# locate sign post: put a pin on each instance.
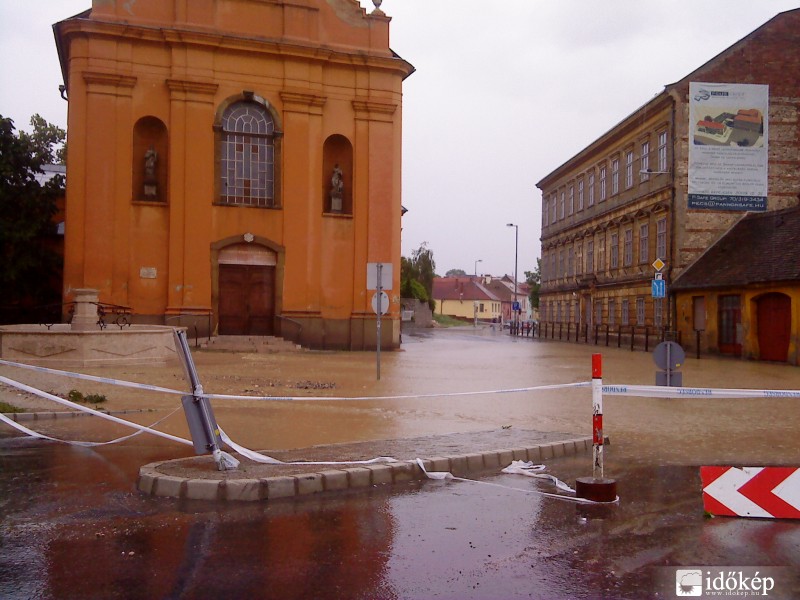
(199, 415)
(376, 273)
(669, 356)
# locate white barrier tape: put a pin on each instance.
(73, 375)
(440, 475)
(657, 391)
(528, 469)
(41, 436)
(91, 411)
(154, 388)
(264, 459)
(536, 388)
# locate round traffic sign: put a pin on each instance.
(384, 303)
(669, 355)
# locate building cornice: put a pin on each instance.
(608, 142)
(199, 38)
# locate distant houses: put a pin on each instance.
(484, 298)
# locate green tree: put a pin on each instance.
(48, 141)
(420, 269)
(26, 218)
(456, 273)
(534, 280)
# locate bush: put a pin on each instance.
(5, 407)
(78, 397)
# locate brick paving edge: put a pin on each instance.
(154, 483)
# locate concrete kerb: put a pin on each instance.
(69, 414)
(154, 482)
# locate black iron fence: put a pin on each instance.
(633, 337)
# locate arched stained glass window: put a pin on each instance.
(247, 156)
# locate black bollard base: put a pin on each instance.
(597, 490)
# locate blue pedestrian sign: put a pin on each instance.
(659, 288)
(515, 306)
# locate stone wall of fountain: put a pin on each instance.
(84, 343)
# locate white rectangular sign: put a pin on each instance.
(728, 153)
(372, 276)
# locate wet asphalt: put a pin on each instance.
(72, 524)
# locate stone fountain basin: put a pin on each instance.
(61, 347)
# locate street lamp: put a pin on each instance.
(516, 254)
(476, 266)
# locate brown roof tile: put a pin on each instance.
(761, 248)
(460, 288)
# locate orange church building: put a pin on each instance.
(235, 164)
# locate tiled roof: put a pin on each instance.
(460, 288)
(501, 290)
(761, 248)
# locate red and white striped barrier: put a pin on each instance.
(765, 492)
(597, 414)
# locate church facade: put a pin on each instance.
(234, 165)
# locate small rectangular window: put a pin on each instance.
(602, 183)
(601, 253)
(629, 170)
(572, 199)
(589, 256)
(640, 311)
(628, 255)
(570, 261)
(661, 239)
(591, 188)
(615, 176)
(580, 194)
(614, 250)
(662, 151)
(612, 311)
(644, 243)
(644, 163)
(625, 316)
(658, 312)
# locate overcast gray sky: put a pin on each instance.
(504, 92)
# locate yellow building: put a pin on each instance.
(467, 298)
(742, 296)
(235, 162)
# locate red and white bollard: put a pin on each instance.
(597, 487)
(597, 415)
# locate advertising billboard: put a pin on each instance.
(728, 134)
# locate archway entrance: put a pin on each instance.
(247, 290)
(774, 323)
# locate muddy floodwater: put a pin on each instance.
(72, 524)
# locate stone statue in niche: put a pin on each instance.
(150, 179)
(337, 189)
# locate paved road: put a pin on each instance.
(73, 526)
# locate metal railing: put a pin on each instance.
(634, 337)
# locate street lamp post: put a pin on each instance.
(516, 254)
(476, 266)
